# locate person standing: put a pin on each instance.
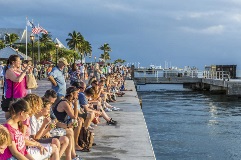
(82, 72)
(1, 72)
(56, 77)
(15, 81)
(97, 71)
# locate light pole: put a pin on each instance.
(32, 39)
(95, 59)
(56, 46)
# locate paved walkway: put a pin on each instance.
(129, 140)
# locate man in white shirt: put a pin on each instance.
(82, 71)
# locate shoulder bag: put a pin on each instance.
(31, 81)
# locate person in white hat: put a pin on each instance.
(57, 78)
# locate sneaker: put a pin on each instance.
(115, 109)
(111, 122)
(108, 110)
(90, 128)
(77, 158)
(93, 125)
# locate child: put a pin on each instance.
(19, 111)
(41, 125)
(36, 105)
(5, 139)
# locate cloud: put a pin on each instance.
(236, 17)
(197, 15)
(218, 29)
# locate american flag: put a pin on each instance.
(30, 23)
(42, 30)
(36, 30)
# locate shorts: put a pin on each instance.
(83, 115)
(35, 152)
(47, 140)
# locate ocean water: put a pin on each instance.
(188, 125)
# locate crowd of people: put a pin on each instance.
(49, 127)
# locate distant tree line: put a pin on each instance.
(79, 47)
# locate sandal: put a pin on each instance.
(84, 150)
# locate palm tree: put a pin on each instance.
(11, 38)
(105, 56)
(2, 45)
(106, 48)
(119, 61)
(74, 41)
(85, 49)
(46, 44)
(45, 38)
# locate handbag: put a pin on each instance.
(6, 101)
(31, 81)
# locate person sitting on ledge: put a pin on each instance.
(93, 105)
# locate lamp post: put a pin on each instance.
(56, 46)
(95, 59)
(32, 39)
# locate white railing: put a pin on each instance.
(168, 73)
(216, 75)
(180, 73)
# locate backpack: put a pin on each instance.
(86, 138)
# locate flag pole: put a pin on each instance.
(38, 47)
(26, 39)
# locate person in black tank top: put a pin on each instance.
(65, 108)
(60, 115)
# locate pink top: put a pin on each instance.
(18, 137)
(19, 88)
(28, 131)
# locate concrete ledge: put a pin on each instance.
(129, 139)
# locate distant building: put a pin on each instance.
(19, 31)
(22, 35)
(56, 40)
(222, 69)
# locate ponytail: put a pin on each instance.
(16, 107)
(10, 60)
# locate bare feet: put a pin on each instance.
(78, 148)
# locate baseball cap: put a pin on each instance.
(64, 60)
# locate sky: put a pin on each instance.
(172, 32)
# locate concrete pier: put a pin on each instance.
(129, 140)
